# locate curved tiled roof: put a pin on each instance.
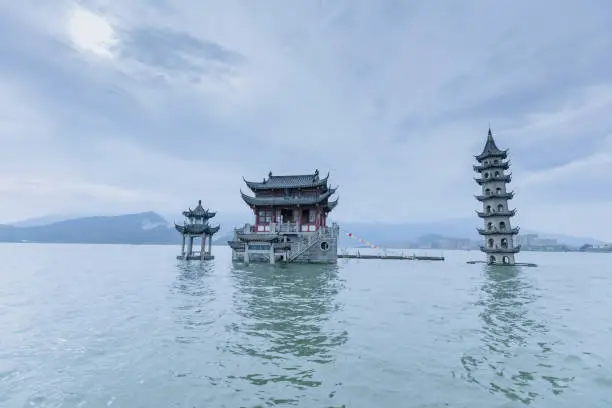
(199, 212)
(197, 229)
(293, 181)
(332, 204)
(288, 200)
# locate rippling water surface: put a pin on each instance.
(128, 326)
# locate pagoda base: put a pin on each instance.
(195, 258)
(530, 265)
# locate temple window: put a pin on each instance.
(490, 226)
(504, 243)
(502, 225)
(265, 216)
(488, 209)
(500, 207)
(497, 174)
(492, 259)
(491, 242)
(505, 260)
(488, 191)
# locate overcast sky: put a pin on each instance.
(124, 106)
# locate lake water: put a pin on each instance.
(129, 326)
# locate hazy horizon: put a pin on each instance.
(125, 107)
(237, 220)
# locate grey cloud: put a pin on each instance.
(87, 101)
(180, 53)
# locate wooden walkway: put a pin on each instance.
(395, 257)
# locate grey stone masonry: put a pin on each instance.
(497, 231)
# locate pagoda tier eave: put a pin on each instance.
(490, 166)
(507, 178)
(514, 250)
(485, 232)
(502, 154)
(504, 196)
(494, 214)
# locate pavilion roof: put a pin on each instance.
(199, 212)
(197, 229)
(289, 181)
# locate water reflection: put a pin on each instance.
(285, 319)
(515, 346)
(194, 312)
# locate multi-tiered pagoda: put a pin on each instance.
(290, 221)
(497, 231)
(196, 226)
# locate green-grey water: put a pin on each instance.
(129, 326)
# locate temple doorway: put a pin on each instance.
(286, 216)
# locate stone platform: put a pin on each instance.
(530, 265)
(195, 258)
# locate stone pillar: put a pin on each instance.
(298, 218)
(189, 246)
(246, 253)
(210, 237)
(183, 247)
(203, 247)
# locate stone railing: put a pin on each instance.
(284, 227)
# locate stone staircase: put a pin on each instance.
(308, 242)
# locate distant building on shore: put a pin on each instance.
(535, 242)
(497, 232)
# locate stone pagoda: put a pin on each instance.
(290, 221)
(196, 226)
(497, 232)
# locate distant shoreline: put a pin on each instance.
(597, 251)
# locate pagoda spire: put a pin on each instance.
(497, 232)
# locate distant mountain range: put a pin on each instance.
(151, 228)
(142, 228)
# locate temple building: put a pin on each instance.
(196, 226)
(290, 222)
(497, 232)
